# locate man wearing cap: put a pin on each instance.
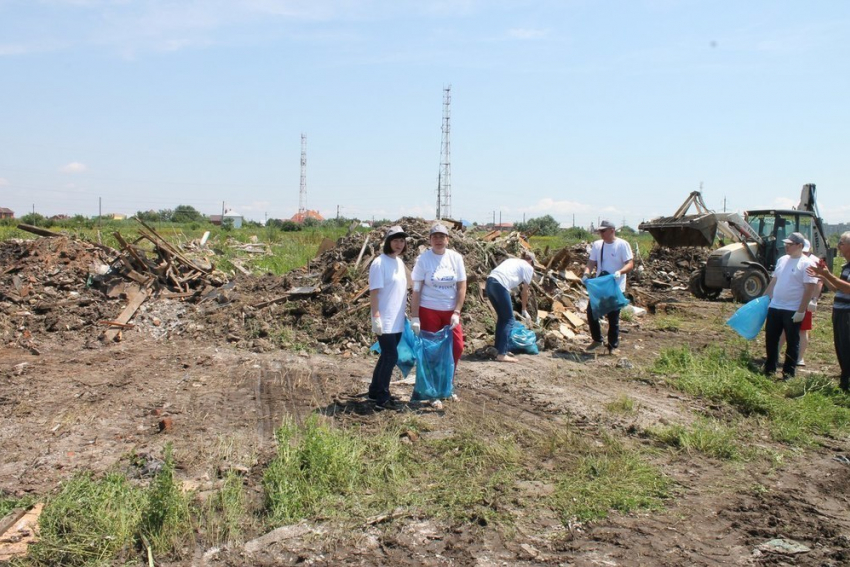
(439, 289)
(840, 307)
(388, 299)
(608, 255)
(790, 291)
(510, 274)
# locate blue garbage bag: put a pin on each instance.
(748, 320)
(521, 339)
(406, 347)
(605, 295)
(435, 365)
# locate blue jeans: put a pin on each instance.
(779, 320)
(379, 389)
(500, 297)
(613, 327)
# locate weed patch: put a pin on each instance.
(791, 411)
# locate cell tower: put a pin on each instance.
(444, 178)
(302, 193)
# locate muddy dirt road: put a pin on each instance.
(84, 406)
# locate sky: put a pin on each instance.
(579, 109)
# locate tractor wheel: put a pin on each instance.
(696, 285)
(748, 284)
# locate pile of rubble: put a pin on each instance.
(57, 283)
(671, 268)
(325, 305)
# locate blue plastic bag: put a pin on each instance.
(435, 365)
(406, 346)
(521, 339)
(605, 295)
(748, 320)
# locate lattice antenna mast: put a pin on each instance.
(444, 179)
(302, 193)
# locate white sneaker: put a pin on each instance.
(437, 404)
(455, 398)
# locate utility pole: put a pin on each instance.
(444, 177)
(302, 192)
(494, 219)
(337, 212)
(574, 220)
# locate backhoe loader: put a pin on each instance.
(745, 265)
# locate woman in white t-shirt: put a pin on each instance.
(388, 298)
(439, 289)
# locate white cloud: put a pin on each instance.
(551, 206)
(527, 33)
(73, 167)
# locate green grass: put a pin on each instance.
(224, 513)
(708, 436)
(616, 479)
(670, 323)
(791, 412)
(96, 521)
(623, 404)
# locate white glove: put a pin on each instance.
(525, 315)
(415, 325)
(455, 320)
(377, 326)
(617, 274)
(813, 306)
(798, 316)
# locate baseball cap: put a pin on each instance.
(795, 238)
(439, 229)
(395, 231)
(605, 225)
(807, 246)
(529, 255)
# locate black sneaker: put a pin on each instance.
(389, 404)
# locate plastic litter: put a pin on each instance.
(605, 295)
(748, 320)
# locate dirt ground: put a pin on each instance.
(82, 405)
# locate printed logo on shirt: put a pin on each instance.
(444, 276)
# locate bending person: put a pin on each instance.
(510, 274)
(388, 298)
(439, 289)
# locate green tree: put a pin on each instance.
(540, 226)
(186, 213)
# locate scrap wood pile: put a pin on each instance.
(61, 283)
(325, 305)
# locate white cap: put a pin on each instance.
(807, 246)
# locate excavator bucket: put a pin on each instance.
(698, 229)
(688, 230)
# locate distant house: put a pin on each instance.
(230, 214)
(504, 226)
(235, 217)
(6, 213)
(59, 217)
(115, 216)
(301, 217)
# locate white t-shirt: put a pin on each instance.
(614, 256)
(388, 275)
(440, 275)
(513, 272)
(791, 278)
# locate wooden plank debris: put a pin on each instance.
(38, 230)
(126, 315)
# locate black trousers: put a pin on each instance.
(841, 338)
(779, 320)
(379, 389)
(613, 327)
